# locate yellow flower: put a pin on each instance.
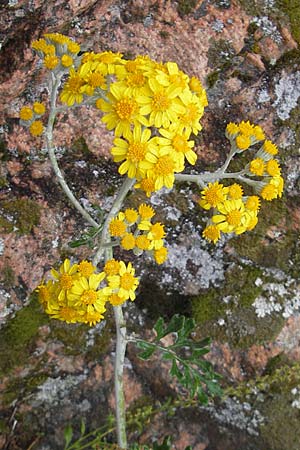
(131, 215)
(211, 233)
(160, 255)
(232, 217)
(116, 300)
(257, 166)
(194, 109)
(36, 128)
(232, 129)
(72, 89)
(162, 106)
(85, 295)
(73, 47)
(178, 142)
(123, 112)
(269, 192)
(117, 227)
(160, 165)
(146, 211)
(39, 108)
(155, 235)
(270, 148)
(258, 133)
(86, 268)
(66, 60)
(243, 141)
(172, 76)
(273, 168)
(246, 128)
(124, 283)
(142, 242)
(51, 62)
(253, 203)
(66, 276)
(92, 317)
(213, 195)
(112, 267)
(235, 191)
(26, 113)
(128, 241)
(147, 184)
(133, 151)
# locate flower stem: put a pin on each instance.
(51, 151)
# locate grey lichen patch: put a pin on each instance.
(273, 395)
(287, 91)
(54, 390)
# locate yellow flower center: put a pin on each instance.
(66, 281)
(136, 79)
(178, 80)
(243, 142)
(234, 217)
(67, 314)
(108, 58)
(235, 191)
(112, 267)
(212, 233)
(146, 211)
(51, 62)
(89, 297)
(128, 241)
(164, 165)
(160, 102)
(257, 166)
(74, 84)
(136, 151)
(142, 242)
(115, 300)
(269, 192)
(96, 79)
(86, 268)
(252, 203)
(127, 281)
(180, 143)
(117, 227)
(270, 148)
(126, 108)
(214, 195)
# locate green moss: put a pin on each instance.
(242, 327)
(292, 9)
(212, 78)
(23, 386)
(220, 54)
(8, 276)
(80, 147)
(267, 252)
(17, 336)
(21, 213)
(185, 7)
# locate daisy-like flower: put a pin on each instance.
(252, 203)
(112, 267)
(84, 294)
(257, 166)
(72, 89)
(86, 268)
(26, 113)
(146, 184)
(243, 142)
(36, 128)
(65, 276)
(128, 242)
(47, 292)
(213, 195)
(232, 217)
(124, 283)
(163, 105)
(160, 165)
(39, 108)
(51, 62)
(194, 109)
(146, 212)
(273, 168)
(212, 233)
(117, 226)
(156, 235)
(121, 112)
(142, 242)
(116, 300)
(178, 142)
(232, 129)
(131, 215)
(133, 151)
(172, 76)
(235, 191)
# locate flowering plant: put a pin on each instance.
(154, 110)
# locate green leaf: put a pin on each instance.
(68, 434)
(82, 427)
(148, 348)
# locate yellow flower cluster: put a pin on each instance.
(134, 231)
(232, 211)
(78, 294)
(58, 52)
(30, 118)
(152, 107)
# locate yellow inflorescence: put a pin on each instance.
(232, 211)
(136, 232)
(78, 294)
